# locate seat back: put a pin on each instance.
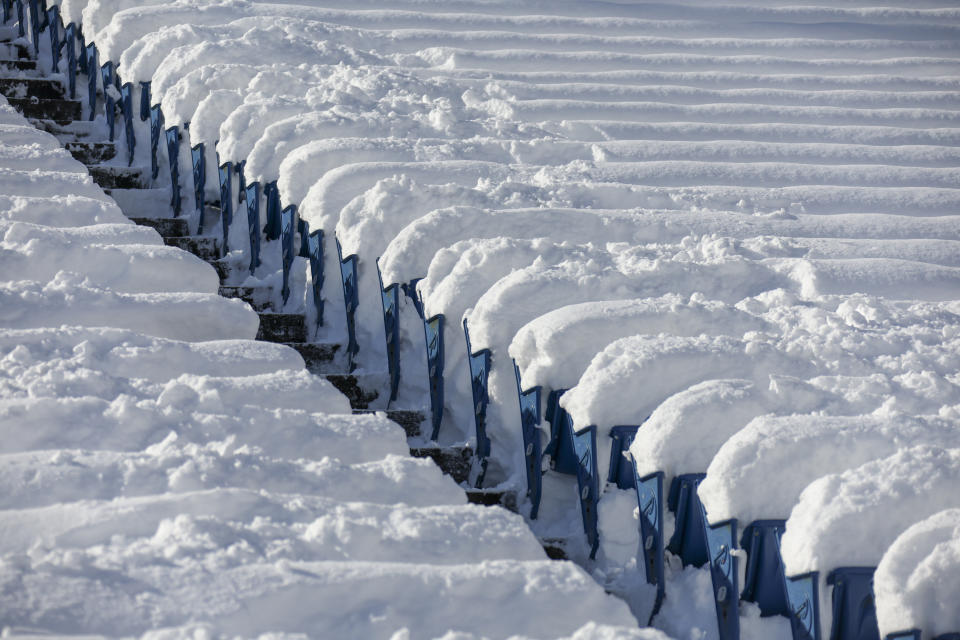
(173, 154)
(854, 609)
(252, 197)
(199, 163)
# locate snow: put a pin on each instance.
(163, 473)
(733, 225)
(884, 496)
(915, 570)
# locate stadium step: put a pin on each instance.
(14, 51)
(18, 65)
(109, 177)
(166, 227)
(319, 357)
(59, 111)
(349, 385)
(26, 88)
(206, 248)
(91, 153)
(68, 131)
(260, 298)
(282, 327)
(453, 461)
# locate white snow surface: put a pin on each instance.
(163, 474)
(733, 224)
(920, 565)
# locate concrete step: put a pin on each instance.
(69, 131)
(492, 498)
(453, 461)
(60, 111)
(144, 203)
(166, 227)
(318, 356)
(14, 51)
(204, 247)
(555, 548)
(411, 421)
(260, 298)
(282, 327)
(42, 88)
(91, 153)
(223, 269)
(110, 177)
(18, 65)
(349, 385)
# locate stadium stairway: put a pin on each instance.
(44, 102)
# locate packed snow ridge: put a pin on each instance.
(734, 227)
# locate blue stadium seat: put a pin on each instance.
(225, 171)
(854, 609)
(765, 582)
(588, 483)
(173, 153)
(697, 543)
(34, 7)
(54, 25)
(433, 334)
(92, 79)
(272, 196)
(688, 541)
(532, 453)
(252, 198)
(303, 232)
(803, 592)
(912, 634)
(144, 100)
(390, 301)
(156, 126)
(721, 543)
(621, 467)
(480, 363)
(7, 10)
(126, 108)
(287, 229)
(21, 21)
(351, 299)
(199, 163)
(81, 52)
(70, 44)
(650, 504)
(315, 247)
(559, 450)
(109, 104)
(241, 182)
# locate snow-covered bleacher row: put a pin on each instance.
(686, 276)
(163, 473)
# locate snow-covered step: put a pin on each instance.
(59, 111)
(120, 178)
(91, 153)
(260, 298)
(453, 461)
(18, 66)
(320, 358)
(13, 51)
(360, 390)
(139, 203)
(282, 327)
(166, 227)
(40, 88)
(70, 131)
(206, 248)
